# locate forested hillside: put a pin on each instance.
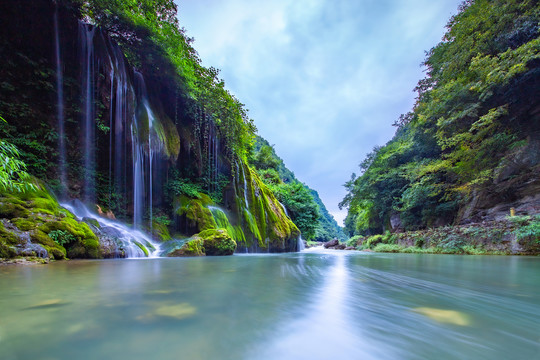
(469, 150)
(303, 204)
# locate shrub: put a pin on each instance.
(62, 237)
(355, 241)
(530, 232)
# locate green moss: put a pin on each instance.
(7, 236)
(193, 247)
(7, 239)
(6, 251)
(142, 247)
(169, 135)
(87, 245)
(196, 212)
(53, 248)
(222, 222)
(217, 242)
(91, 221)
(10, 210)
(265, 219)
(25, 224)
(161, 231)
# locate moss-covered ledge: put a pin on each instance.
(33, 224)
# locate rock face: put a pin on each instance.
(516, 185)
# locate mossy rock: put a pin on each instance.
(193, 247)
(196, 212)
(7, 240)
(217, 242)
(11, 210)
(53, 248)
(87, 245)
(25, 224)
(160, 231)
(7, 236)
(265, 220)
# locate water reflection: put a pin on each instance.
(312, 305)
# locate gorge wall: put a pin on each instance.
(104, 115)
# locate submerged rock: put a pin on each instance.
(175, 311)
(445, 316)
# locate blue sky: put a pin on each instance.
(323, 79)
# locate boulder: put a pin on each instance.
(213, 242)
(331, 244)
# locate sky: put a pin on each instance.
(323, 79)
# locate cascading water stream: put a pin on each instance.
(131, 120)
(60, 107)
(87, 59)
(132, 243)
(301, 245)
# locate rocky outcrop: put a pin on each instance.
(516, 185)
(34, 224)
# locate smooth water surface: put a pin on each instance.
(309, 305)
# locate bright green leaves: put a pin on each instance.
(13, 175)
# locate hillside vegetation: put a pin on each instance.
(469, 150)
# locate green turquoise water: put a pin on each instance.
(309, 305)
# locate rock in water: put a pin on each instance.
(331, 244)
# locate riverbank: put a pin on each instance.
(517, 235)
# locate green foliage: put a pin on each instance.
(62, 237)
(13, 175)
(355, 241)
(185, 187)
(265, 158)
(300, 205)
(529, 232)
(467, 118)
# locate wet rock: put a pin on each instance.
(350, 248)
(331, 244)
(340, 247)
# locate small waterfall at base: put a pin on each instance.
(133, 243)
(301, 245)
(60, 108)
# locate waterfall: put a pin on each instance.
(60, 107)
(136, 138)
(301, 245)
(132, 243)
(245, 187)
(138, 177)
(284, 208)
(87, 60)
(145, 151)
(123, 96)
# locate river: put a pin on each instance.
(315, 304)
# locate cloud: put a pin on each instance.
(323, 80)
